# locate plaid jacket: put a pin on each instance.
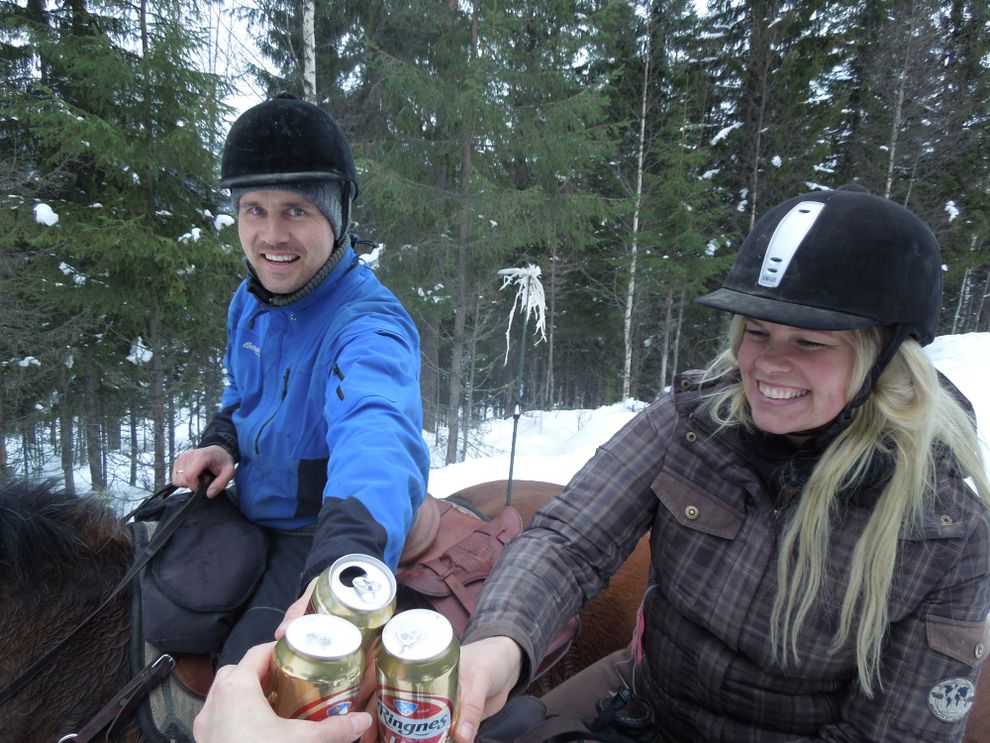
(706, 661)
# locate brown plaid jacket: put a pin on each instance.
(708, 667)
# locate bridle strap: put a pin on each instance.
(124, 702)
(157, 542)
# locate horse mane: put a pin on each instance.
(60, 556)
(48, 535)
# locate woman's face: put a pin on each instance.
(794, 379)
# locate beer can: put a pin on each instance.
(358, 588)
(417, 678)
(316, 668)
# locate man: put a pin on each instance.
(321, 414)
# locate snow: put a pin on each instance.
(952, 210)
(194, 234)
(725, 133)
(223, 220)
(371, 259)
(140, 353)
(530, 299)
(553, 445)
(43, 214)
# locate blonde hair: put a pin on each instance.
(908, 418)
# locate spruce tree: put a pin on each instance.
(116, 136)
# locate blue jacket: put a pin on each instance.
(322, 412)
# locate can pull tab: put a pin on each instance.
(409, 638)
(366, 588)
(356, 578)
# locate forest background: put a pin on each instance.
(624, 148)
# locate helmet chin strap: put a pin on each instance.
(822, 435)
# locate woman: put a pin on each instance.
(819, 564)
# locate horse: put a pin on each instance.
(60, 556)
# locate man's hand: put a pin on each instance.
(190, 465)
(487, 671)
(236, 710)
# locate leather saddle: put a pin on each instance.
(448, 555)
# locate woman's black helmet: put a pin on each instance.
(837, 260)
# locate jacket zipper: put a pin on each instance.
(281, 399)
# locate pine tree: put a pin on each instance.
(116, 137)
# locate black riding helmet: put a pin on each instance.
(287, 140)
(839, 260)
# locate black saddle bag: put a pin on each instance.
(194, 588)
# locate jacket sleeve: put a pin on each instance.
(379, 463)
(932, 658)
(221, 430)
(573, 546)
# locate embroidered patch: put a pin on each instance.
(950, 700)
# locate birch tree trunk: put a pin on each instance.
(898, 113)
(634, 247)
(156, 342)
(964, 294)
(309, 50)
(548, 389)
(64, 429)
(460, 300)
(91, 427)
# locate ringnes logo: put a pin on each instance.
(425, 720)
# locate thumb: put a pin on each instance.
(469, 713)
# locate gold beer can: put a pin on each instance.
(316, 668)
(358, 588)
(417, 678)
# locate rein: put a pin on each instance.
(157, 542)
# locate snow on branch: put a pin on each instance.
(529, 297)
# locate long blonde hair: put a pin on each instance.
(907, 418)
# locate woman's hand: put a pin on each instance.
(487, 672)
(236, 710)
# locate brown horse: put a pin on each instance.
(61, 555)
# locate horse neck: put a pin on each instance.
(81, 678)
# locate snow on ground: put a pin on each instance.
(552, 446)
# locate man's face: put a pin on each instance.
(285, 238)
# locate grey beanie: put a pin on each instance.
(325, 194)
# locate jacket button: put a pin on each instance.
(685, 384)
(946, 520)
(691, 437)
(979, 650)
(692, 512)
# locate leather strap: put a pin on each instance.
(119, 709)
